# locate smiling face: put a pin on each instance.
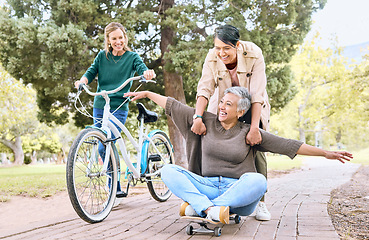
(116, 40)
(227, 109)
(225, 52)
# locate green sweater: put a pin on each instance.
(112, 72)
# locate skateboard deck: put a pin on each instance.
(200, 219)
(217, 230)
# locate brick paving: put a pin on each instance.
(297, 202)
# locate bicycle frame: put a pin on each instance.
(108, 127)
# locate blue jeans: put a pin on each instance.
(121, 115)
(241, 195)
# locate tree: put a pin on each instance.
(17, 114)
(331, 98)
(58, 40)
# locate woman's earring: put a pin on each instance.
(109, 45)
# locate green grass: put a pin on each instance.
(31, 180)
(46, 180)
(279, 162)
(361, 157)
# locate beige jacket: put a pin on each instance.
(216, 78)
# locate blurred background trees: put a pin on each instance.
(50, 43)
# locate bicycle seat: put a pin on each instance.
(147, 115)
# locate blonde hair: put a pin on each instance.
(111, 27)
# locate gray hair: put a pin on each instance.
(245, 98)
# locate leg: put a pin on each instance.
(98, 115)
(121, 115)
(261, 166)
(262, 212)
(190, 187)
(242, 195)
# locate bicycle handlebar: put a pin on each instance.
(141, 78)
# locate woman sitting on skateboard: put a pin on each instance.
(222, 177)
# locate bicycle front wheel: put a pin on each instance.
(91, 188)
(159, 153)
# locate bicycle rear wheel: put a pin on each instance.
(91, 190)
(159, 152)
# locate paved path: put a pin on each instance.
(297, 201)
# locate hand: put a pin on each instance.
(136, 95)
(149, 74)
(77, 83)
(340, 156)
(198, 127)
(253, 137)
(82, 80)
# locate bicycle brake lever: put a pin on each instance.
(144, 80)
(80, 87)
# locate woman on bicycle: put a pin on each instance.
(228, 181)
(233, 62)
(113, 66)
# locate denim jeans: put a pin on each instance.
(241, 195)
(121, 115)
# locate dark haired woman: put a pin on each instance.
(233, 62)
(114, 65)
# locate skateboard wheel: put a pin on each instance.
(189, 230)
(237, 219)
(217, 231)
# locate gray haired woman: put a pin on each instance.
(226, 180)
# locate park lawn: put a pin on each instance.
(361, 157)
(31, 180)
(282, 163)
(48, 179)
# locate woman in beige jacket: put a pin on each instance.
(236, 63)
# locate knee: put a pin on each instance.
(167, 171)
(257, 179)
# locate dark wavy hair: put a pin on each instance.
(227, 34)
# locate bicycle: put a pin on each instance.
(92, 181)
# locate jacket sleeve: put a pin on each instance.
(93, 70)
(276, 144)
(207, 84)
(258, 80)
(138, 65)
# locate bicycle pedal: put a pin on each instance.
(121, 194)
(155, 158)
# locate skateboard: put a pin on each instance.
(217, 230)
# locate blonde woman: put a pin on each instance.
(114, 65)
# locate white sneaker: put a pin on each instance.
(219, 214)
(187, 210)
(262, 213)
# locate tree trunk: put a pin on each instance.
(301, 124)
(4, 159)
(173, 87)
(34, 157)
(17, 149)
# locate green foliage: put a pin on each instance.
(51, 43)
(331, 100)
(17, 108)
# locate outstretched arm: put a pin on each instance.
(157, 98)
(308, 150)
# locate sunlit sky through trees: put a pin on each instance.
(346, 20)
